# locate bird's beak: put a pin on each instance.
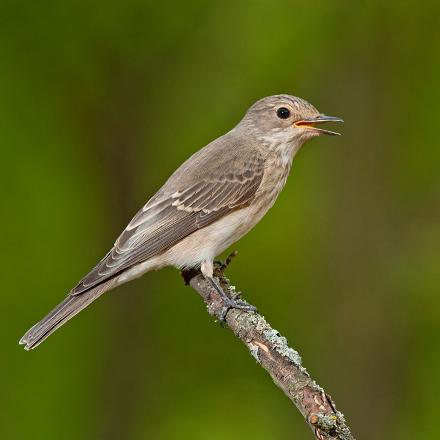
(310, 124)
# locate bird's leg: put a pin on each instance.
(229, 303)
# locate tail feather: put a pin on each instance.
(64, 311)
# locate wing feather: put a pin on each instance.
(173, 214)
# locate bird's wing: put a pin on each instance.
(171, 216)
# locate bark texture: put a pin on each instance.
(282, 362)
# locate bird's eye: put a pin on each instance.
(283, 113)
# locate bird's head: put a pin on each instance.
(286, 119)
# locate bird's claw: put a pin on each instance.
(235, 303)
(229, 303)
(222, 265)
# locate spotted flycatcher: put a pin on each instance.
(211, 201)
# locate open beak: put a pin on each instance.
(320, 119)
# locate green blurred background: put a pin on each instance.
(101, 101)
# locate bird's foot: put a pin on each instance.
(222, 265)
(230, 303)
(239, 304)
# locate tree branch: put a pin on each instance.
(271, 351)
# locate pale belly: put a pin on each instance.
(205, 244)
(202, 245)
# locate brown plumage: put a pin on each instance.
(212, 200)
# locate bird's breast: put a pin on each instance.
(210, 241)
(277, 170)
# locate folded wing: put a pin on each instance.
(174, 213)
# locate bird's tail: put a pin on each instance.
(67, 309)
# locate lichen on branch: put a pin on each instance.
(273, 353)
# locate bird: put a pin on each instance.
(214, 198)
